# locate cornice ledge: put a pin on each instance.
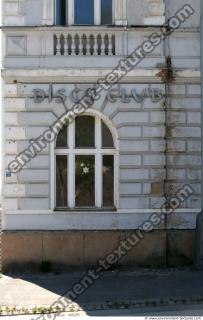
(90, 75)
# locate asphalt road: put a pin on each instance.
(45, 289)
(126, 293)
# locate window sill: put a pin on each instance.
(84, 25)
(105, 209)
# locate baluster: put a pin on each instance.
(73, 46)
(69, 42)
(80, 47)
(66, 45)
(102, 44)
(58, 44)
(114, 44)
(110, 48)
(88, 52)
(95, 45)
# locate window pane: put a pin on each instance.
(106, 11)
(84, 181)
(61, 141)
(60, 12)
(84, 12)
(85, 132)
(108, 181)
(61, 181)
(107, 139)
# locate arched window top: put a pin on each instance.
(86, 132)
(107, 138)
(85, 163)
(62, 138)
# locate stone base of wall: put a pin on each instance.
(27, 250)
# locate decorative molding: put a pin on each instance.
(121, 12)
(120, 220)
(156, 12)
(10, 8)
(156, 7)
(69, 75)
(11, 15)
(48, 12)
(16, 45)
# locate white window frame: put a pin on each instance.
(97, 12)
(98, 152)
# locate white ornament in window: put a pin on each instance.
(86, 170)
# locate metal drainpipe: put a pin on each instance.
(201, 72)
(199, 228)
(167, 110)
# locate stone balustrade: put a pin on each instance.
(84, 44)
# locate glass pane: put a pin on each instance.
(108, 181)
(107, 139)
(84, 181)
(61, 181)
(85, 132)
(61, 141)
(106, 11)
(84, 12)
(60, 12)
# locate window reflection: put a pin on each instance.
(108, 181)
(62, 138)
(84, 12)
(60, 12)
(106, 11)
(85, 132)
(61, 181)
(107, 139)
(84, 181)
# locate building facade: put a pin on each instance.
(102, 131)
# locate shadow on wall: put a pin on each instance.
(64, 250)
(96, 286)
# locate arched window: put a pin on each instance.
(85, 164)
